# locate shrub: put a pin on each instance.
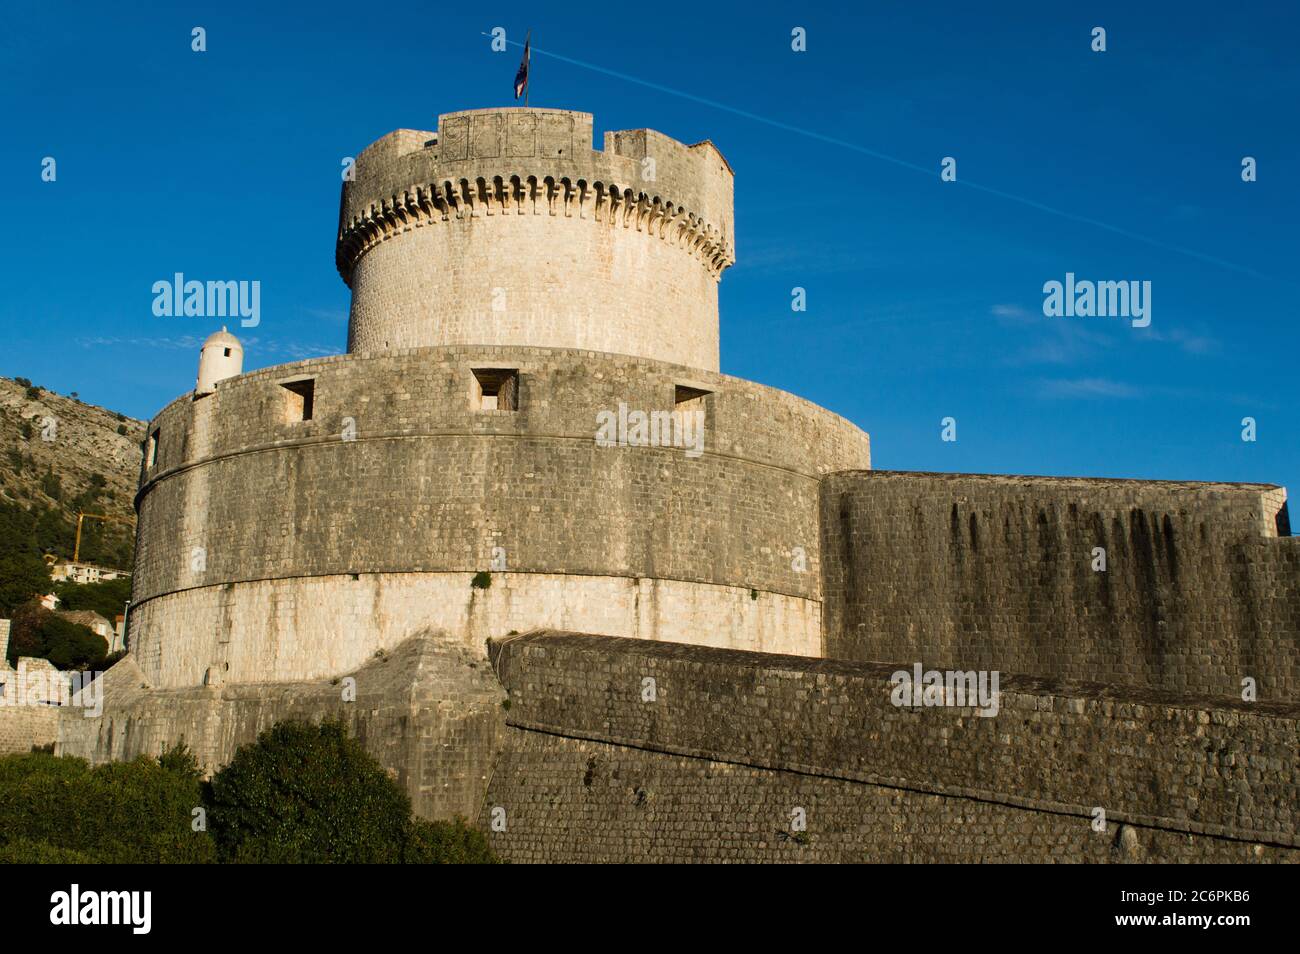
(139, 812)
(22, 576)
(448, 843)
(311, 794)
(482, 580)
(106, 597)
(38, 632)
(23, 852)
(51, 486)
(306, 793)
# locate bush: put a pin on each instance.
(51, 486)
(22, 576)
(448, 843)
(107, 597)
(301, 793)
(140, 812)
(307, 793)
(23, 852)
(38, 632)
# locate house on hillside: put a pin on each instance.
(63, 570)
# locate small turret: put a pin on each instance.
(221, 357)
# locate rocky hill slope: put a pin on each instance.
(59, 455)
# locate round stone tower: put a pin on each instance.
(529, 430)
(506, 227)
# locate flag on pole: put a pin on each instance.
(521, 78)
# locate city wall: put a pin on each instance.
(975, 571)
(430, 712)
(711, 760)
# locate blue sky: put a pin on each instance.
(924, 297)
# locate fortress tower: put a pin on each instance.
(529, 429)
(505, 227)
(528, 454)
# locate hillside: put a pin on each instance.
(91, 463)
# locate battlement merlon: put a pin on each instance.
(475, 157)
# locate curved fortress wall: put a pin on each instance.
(505, 227)
(274, 548)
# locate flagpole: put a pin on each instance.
(528, 79)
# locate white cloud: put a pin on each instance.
(1087, 388)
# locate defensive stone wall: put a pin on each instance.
(429, 712)
(972, 571)
(272, 548)
(29, 700)
(627, 749)
(23, 728)
(616, 251)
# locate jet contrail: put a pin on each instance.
(925, 170)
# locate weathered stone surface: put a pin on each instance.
(573, 800)
(617, 251)
(430, 713)
(277, 554)
(978, 571)
(734, 742)
(317, 549)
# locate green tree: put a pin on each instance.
(22, 576)
(310, 793)
(448, 843)
(38, 632)
(106, 597)
(23, 573)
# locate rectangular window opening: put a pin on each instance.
(1283, 521)
(496, 389)
(689, 398)
(300, 397)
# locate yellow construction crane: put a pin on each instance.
(76, 551)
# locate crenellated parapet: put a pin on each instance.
(535, 237)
